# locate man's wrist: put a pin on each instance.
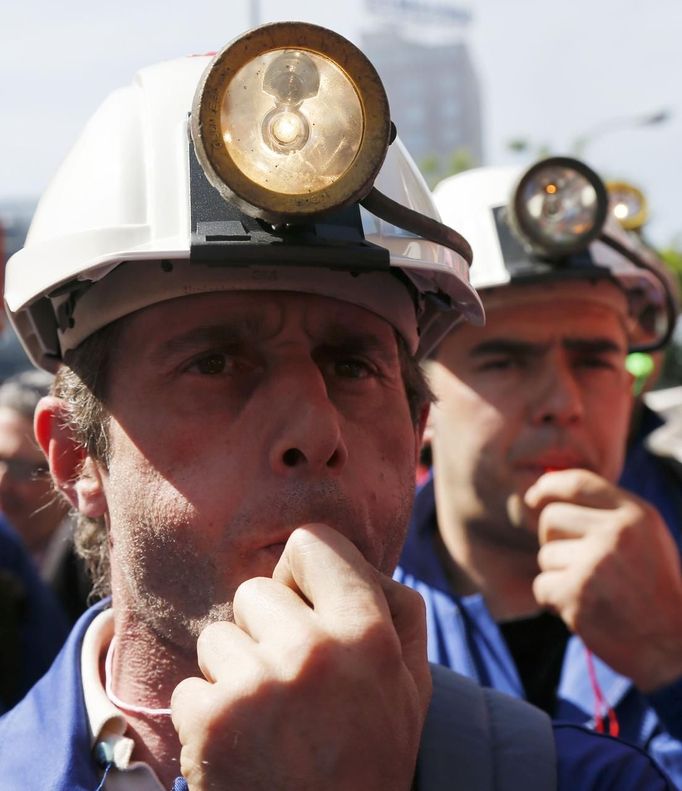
(659, 664)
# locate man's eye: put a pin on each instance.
(353, 369)
(211, 364)
(499, 364)
(596, 362)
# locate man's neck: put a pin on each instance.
(145, 671)
(503, 576)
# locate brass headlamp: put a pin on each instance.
(558, 208)
(289, 121)
(627, 204)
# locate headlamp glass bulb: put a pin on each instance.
(621, 210)
(285, 130)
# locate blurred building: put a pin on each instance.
(430, 79)
(15, 218)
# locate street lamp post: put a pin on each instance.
(617, 124)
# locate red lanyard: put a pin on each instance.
(602, 709)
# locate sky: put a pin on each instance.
(551, 73)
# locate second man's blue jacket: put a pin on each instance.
(463, 636)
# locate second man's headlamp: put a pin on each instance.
(560, 206)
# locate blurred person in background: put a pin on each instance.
(27, 496)
(652, 466)
(33, 626)
(542, 576)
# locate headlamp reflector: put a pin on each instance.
(559, 207)
(299, 139)
(289, 121)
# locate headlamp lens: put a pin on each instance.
(291, 121)
(559, 206)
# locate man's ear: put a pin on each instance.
(74, 472)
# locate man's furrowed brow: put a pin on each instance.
(357, 342)
(593, 346)
(506, 346)
(224, 334)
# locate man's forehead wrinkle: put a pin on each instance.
(230, 331)
(594, 345)
(508, 346)
(340, 335)
(350, 333)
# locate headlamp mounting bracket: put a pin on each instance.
(221, 234)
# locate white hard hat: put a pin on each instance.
(216, 174)
(550, 222)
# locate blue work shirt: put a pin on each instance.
(45, 741)
(463, 636)
(653, 478)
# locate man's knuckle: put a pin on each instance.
(248, 590)
(624, 534)
(545, 554)
(582, 605)
(413, 602)
(382, 644)
(209, 635)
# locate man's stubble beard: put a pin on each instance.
(176, 588)
(500, 517)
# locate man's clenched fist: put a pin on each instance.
(321, 682)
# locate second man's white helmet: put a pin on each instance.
(550, 222)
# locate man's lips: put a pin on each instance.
(276, 549)
(276, 545)
(552, 463)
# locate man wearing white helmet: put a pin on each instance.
(237, 420)
(543, 578)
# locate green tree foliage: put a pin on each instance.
(671, 374)
(435, 168)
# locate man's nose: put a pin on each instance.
(557, 396)
(308, 437)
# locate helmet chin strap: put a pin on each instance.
(131, 708)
